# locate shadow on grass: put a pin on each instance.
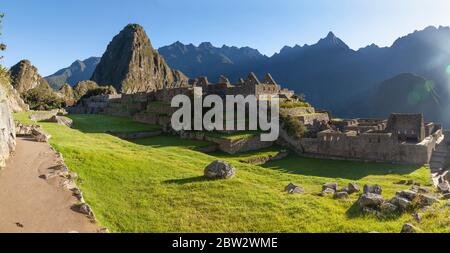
(163, 141)
(187, 180)
(336, 168)
(95, 123)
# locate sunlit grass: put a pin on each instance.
(156, 185)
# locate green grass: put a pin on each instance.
(293, 104)
(171, 143)
(234, 136)
(266, 152)
(89, 123)
(156, 185)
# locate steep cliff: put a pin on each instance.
(7, 127)
(24, 76)
(33, 89)
(132, 65)
(15, 102)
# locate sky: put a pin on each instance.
(54, 33)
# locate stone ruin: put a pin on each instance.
(403, 138)
(249, 86)
(154, 107)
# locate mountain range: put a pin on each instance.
(77, 71)
(331, 75)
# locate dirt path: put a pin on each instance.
(29, 203)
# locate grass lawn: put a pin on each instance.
(235, 135)
(156, 185)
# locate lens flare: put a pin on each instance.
(448, 69)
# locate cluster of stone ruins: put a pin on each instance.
(403, 138)
(146, 92)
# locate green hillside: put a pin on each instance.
(156, 185)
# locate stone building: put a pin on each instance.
(249, 86)
(403, 138)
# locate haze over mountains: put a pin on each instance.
(348, 82)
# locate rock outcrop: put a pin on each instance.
(67, 94)
(24, 76)
(132, 65)
(32, 88)
(7, 126)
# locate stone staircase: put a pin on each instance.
(439, 159)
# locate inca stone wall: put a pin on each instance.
(7, 126)
(367, 146)
(234, 146)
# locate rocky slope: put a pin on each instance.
(131, 64)
(78, 71)
(67, 94)
(24, 76)
(33, 89)
(15, 102)
(7, 127)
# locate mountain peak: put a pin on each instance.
(330, 35)
(131, 65)
(205, 45)
(331, 41)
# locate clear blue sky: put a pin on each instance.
(54, 33)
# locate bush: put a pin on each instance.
(294, 104)
(101, 90)
(293, 126)
(43, 98)
(4, 75)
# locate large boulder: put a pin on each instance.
(409, 228)
(219, 170)
(327, 192)
(388, 208)
(408, 194)
(294, 189)
(443, 187)
(424, 200)
(446, 176)
(375, 189)
(370, 200)
(60, 120)
(353, 188)
(401, 203)
(39, 135)
(341, 195)
(332, 186)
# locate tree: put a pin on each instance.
(2, 46)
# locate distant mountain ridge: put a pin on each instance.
(210, 61)
(77, 71)
(331, 75)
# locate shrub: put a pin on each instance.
(43, 97)
(293, 126)
(101, 90)
(294, 104)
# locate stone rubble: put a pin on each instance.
(294, 189)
